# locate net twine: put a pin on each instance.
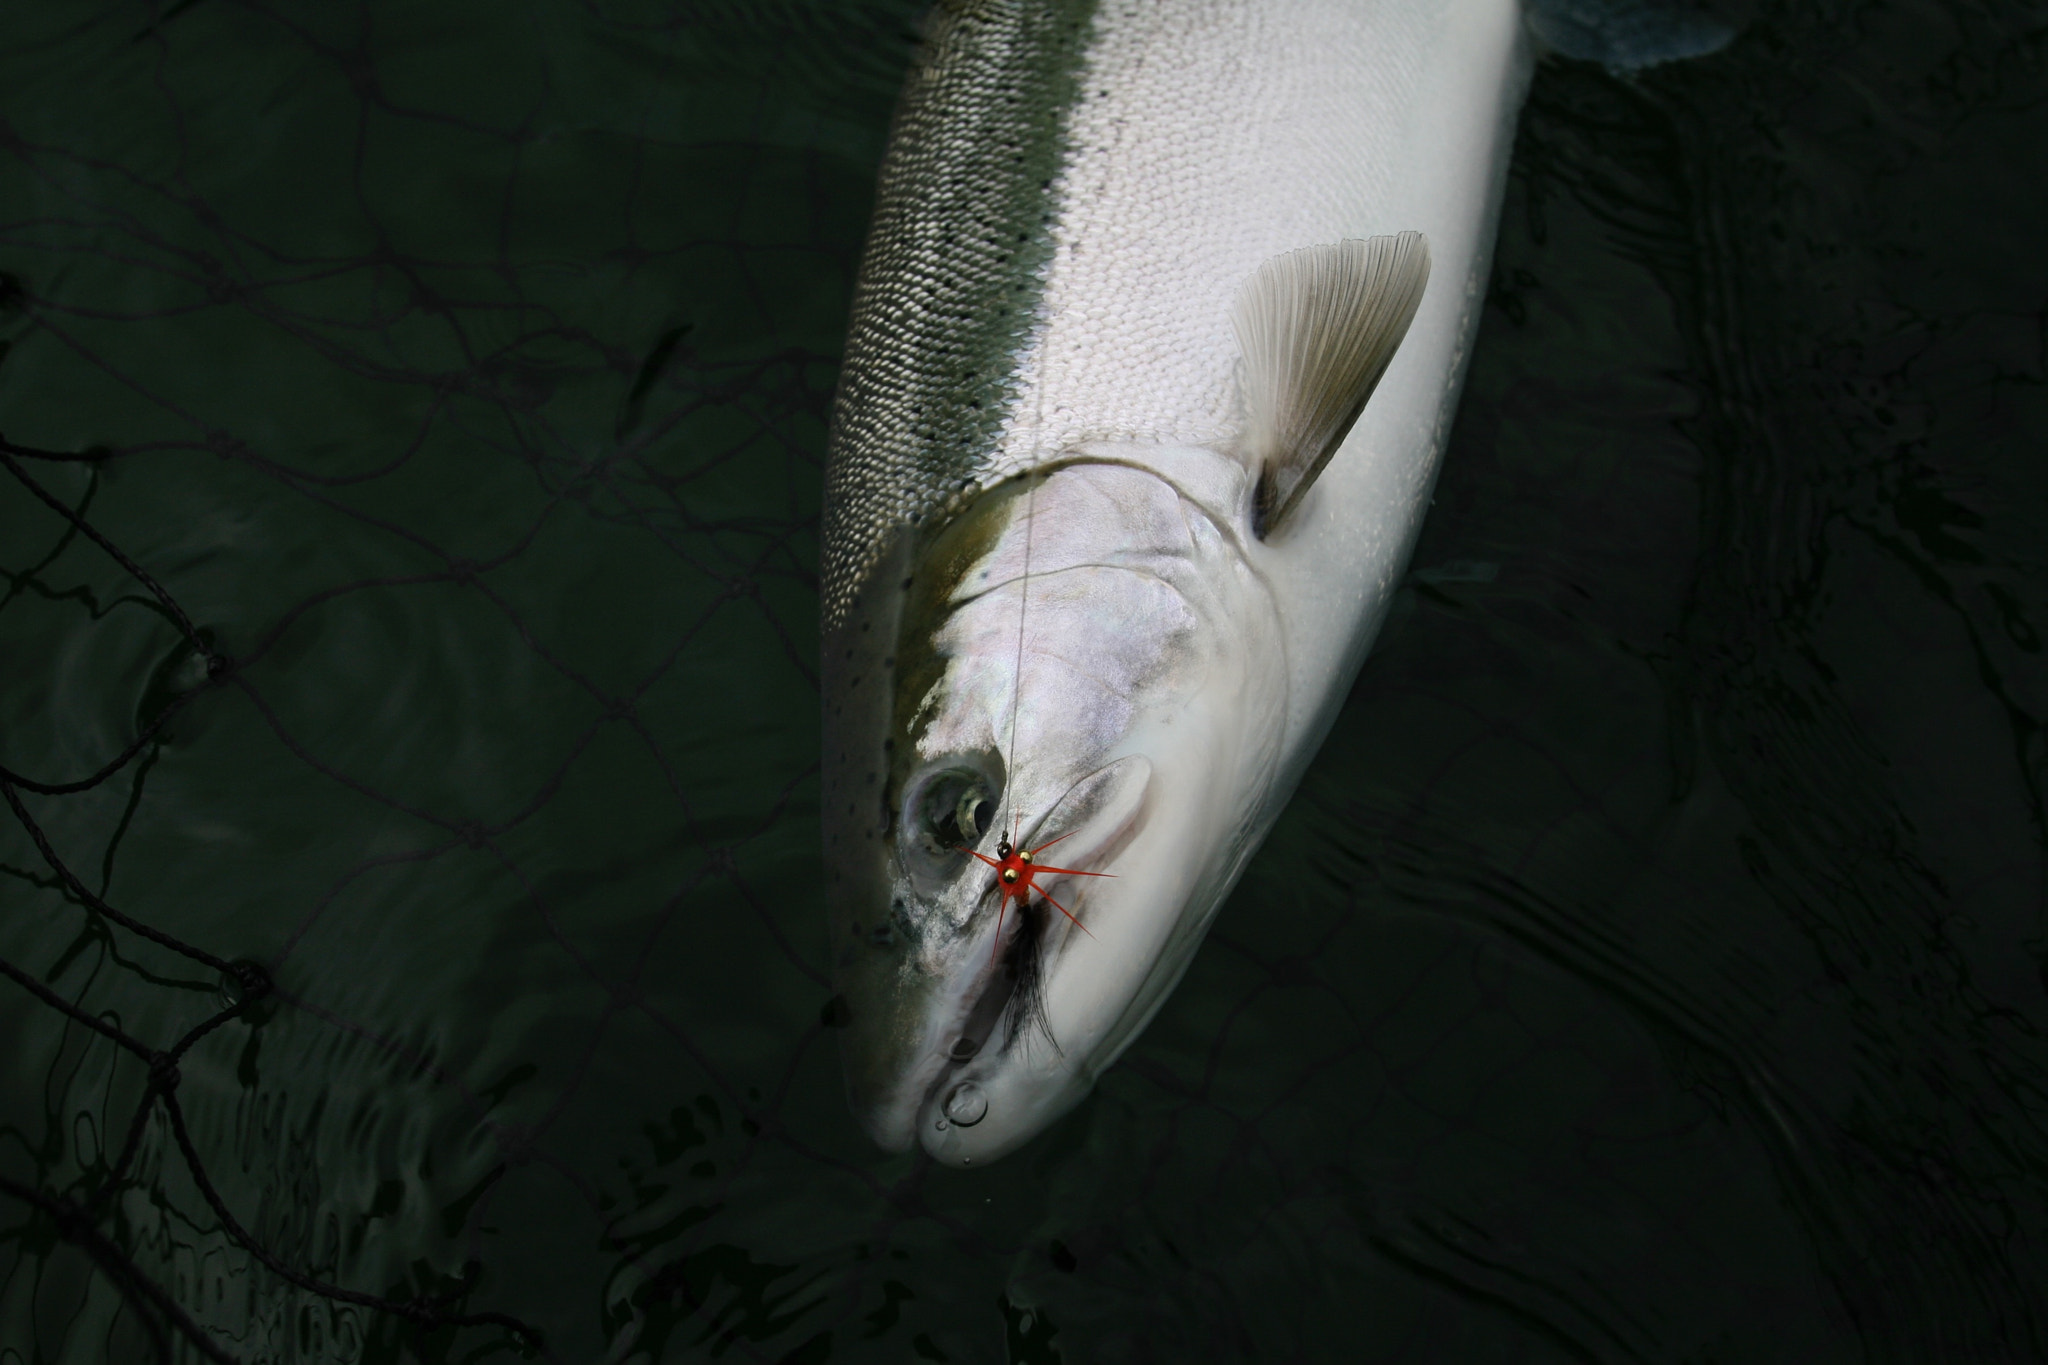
(78, 1223)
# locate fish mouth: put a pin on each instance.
(1003, 1026)
(1010, 996)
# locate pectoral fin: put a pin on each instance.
(1317, 328)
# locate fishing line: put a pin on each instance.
(1017, 677)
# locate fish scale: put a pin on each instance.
(952, 276)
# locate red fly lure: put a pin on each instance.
(1014, 873)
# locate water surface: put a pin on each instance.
(1651, 968)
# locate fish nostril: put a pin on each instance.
(967, 1105)
(965, 1048)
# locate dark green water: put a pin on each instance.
(1652, 968)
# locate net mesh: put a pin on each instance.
(413, 419)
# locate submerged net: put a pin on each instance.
(408, 891)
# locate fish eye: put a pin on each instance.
(953, 810)
(948, 806)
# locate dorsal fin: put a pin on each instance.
(1317, 327)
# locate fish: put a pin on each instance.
(1155, 346)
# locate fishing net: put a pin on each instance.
(413, 419)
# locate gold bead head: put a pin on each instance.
(1024, 857)
(1010, 875)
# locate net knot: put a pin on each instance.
(225, 445)
(163, 1072)
(252, 981)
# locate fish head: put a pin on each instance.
(1079, 667)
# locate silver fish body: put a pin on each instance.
(1048, 610)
